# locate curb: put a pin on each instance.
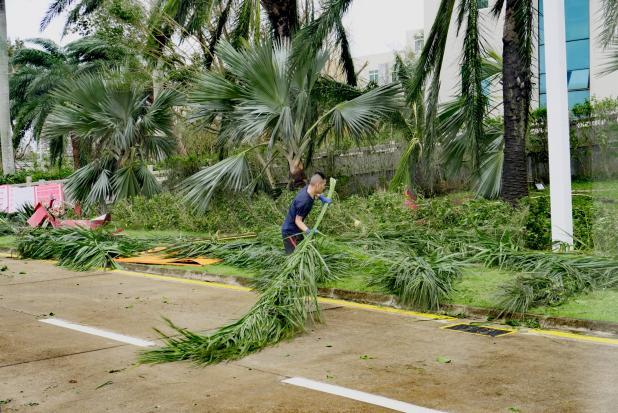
(389, 300)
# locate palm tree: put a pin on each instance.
(8, 162)
(38, 72)
(79, 9)
(517, 81)
(454, 147)
(266, 103)
(517, 94)
(121, 130)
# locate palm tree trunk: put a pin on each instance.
(6, 141)
(283, 17)
(297, 177)
(76, 152)
(516, 94)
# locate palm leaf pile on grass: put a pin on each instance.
(79, 249)
(280, 313)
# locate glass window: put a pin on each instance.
(418, 45)
(578, 97)
(374, 76)
(579, 79)
(578, 55)
(542, 100)
(541, 59)
(577, 19)
(486, 84)
(482, 4)
(542, 84)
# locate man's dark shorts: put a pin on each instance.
(290, 242)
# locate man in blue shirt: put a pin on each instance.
(294, 227)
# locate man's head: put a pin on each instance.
(317, 183)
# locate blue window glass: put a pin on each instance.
(578, 54)
(577, 19)
(578, 97)
(482, 4)
(486, 84)
(577, 25)
(579, 79)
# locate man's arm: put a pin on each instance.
(300, 224)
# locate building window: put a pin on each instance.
(482, 4)
(374, 76)
(418, 45)
(577, 25)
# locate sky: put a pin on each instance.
(374, 26)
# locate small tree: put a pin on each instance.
(265, 102)
(120, 129)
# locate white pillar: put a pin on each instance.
(558, 122)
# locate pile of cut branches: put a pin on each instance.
(285, 304)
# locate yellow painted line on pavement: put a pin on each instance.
(573, 336)
(383, 309)
(182, 280)
(342, 303)
(370, 307)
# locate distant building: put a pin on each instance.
(585, 57)
(378, 68)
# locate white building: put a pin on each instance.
(378, 68)
(585, 56)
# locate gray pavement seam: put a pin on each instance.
(62, 355)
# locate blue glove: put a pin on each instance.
(325, 200)
(310, 231)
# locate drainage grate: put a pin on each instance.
(482, 331)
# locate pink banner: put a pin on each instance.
(45, 193)
(20, 196)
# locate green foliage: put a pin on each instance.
(37, 175)
(420, 282)
(284, 305)
(585, 215)
(79, 249)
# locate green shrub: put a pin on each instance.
(20, 176)
(594, 226)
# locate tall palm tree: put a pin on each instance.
(8, 161)
(517, 93)
(114, 119)
(41, 69)
(517, 80)
(266, 103)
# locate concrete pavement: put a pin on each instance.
(47, 368)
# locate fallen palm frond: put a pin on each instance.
(78, 248)
(420, 282)
(280, 313)
(549, 278)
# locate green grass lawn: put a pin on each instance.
(7, 241)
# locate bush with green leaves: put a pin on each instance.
(586, 215)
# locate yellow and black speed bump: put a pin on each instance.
(478, 330)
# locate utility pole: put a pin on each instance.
(558, 123)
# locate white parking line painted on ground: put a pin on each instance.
(358, 395)
(98, 332)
